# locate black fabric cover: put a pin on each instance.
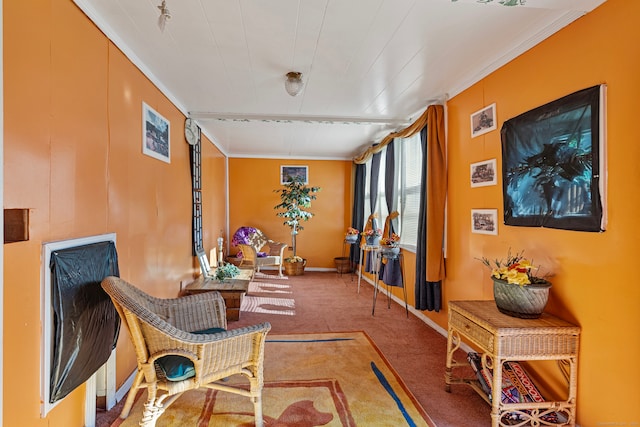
(85, 322)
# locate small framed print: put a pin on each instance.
(484, 221)
(155, 134)
(288, 173)
(483, 121)
(483, 173)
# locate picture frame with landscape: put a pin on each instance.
(483, 173)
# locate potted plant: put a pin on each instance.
(517, 289)
(351, 236)
(295, 199)
(372, 236)
(226, 271)
(390, 246)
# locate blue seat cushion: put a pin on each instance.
(180, 368)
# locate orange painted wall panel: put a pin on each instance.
(591, 285)
(252, 198)
(73, 156)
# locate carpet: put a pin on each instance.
(328, 379)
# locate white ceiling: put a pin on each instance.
(370, 66)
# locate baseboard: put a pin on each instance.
(122, 391)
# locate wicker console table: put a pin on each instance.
(504, 338)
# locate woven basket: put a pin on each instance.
(525, 302)
(294, 268)
(343, 264)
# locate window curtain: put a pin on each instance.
(373, 201)
(391, 186)
(357, 213)
(430, 258)
(430, 268)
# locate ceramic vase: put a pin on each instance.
(525, 302)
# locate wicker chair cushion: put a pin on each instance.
(180, 368)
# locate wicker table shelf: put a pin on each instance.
(504, 338)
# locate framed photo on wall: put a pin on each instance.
(483, 121)
(155, 135)
(484, 221)
(484, 173)
(294, 171)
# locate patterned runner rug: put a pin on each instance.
(329, 379)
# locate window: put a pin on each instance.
(408, 152)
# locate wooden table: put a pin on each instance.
(232, 290)
(504, 338)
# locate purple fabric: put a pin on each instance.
(242, 235)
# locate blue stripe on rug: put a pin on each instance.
(324, 340)
(392, 393)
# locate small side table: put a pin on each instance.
(504, 338)
(364, 250)
(231, 290)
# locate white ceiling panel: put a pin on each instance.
(363, 61)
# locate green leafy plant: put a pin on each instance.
(226, 271)
(295, 199)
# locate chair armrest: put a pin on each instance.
(276, 248)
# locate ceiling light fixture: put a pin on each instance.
(294, 83)
(165, 15)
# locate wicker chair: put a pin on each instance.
(162, 330)
(258, 241)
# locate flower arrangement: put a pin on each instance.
(392, 242)
(225, 271)
(373, 232)
(515, 269)
(294, 259)
(352, 231)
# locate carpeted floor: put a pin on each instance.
(318, 302)
(330, 379)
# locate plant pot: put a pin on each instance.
(525, 302)
(351, 238)
(373, 240)
(294, 268)
(390, 252)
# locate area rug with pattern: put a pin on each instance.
(328, 379)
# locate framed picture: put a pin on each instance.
(484, 221)
(553, 164)
(155, 134)
(289, 172)
(483, 121)
(483, 173)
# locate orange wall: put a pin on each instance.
(73, 156)
(594, 284)
(251, 200)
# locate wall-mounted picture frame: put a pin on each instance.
(553, 164)
(155, 134)
(484, 221)
(483, 121)
(484, 173)
(287, 172)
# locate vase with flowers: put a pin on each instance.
(372, 236)
(390, 246)
(518, 290)
(351, 236)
